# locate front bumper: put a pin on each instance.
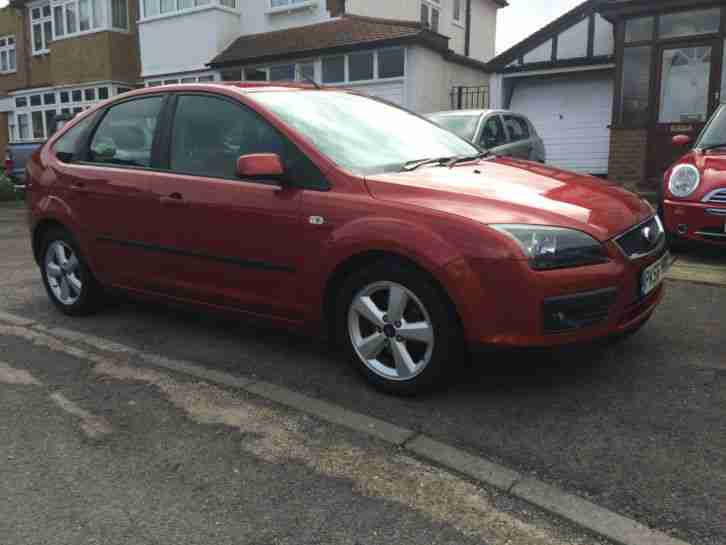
(699, 222)
(517, 305)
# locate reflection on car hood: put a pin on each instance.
(512, 191)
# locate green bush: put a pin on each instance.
(7, 189)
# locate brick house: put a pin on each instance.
(632, 74)
(67, 55)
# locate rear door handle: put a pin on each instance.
(175, 199)
(80, 187)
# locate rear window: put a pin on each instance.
(461, 125)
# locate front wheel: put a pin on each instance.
(398, 329)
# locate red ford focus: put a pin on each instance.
(694, 193)
(330, 210)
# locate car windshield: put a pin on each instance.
(714, 135)
(362, 135)
(463, 125)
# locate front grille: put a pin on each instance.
(716, 197)
(643, 239)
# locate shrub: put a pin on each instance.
(7, 189)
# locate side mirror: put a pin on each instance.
(681, 140)
(260, 165)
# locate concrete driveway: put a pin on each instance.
(636, 427)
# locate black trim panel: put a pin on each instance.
(244, 263)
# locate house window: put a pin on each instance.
(23, 132)
(285, 72)
(430, 14)
(279, 4)
(79, 16)
(542, 53)
(360, 66)
(119, 14)
(7, 54)
(391, 63)
(604, 38)
(572, 43)
(334, 69)
(457, 11)
(690, 23)
(635, 105)
(41, 27)
(153, 8)
(639, 30)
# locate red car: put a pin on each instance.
(344, 214)
(694, 193)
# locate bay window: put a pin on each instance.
(66, 18)
(153, 8)
(7, 54)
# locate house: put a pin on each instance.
(60, 57)
(418, 53)
(609, 84)
(562, 78)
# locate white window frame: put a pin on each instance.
(6, 50)
(286, 6)
(432, 5)
(454, 4)
(72, 106)
(196, 5)
(183, 78)
(40, 21)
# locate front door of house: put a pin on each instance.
(688, 82)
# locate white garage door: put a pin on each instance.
(393, 92)
(572, 115)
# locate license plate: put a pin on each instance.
(653, 276)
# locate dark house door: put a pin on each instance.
(688, 85)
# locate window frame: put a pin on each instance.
(431, 5)
(155, 157)
(166, 139)
(457, 6)
(195, 5)
(40, 21)
(7, 49)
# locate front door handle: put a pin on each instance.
(175, 199)
(79, 187)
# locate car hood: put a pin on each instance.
(520, 192)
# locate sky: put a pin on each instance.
(525, 17)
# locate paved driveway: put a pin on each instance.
(637, 427)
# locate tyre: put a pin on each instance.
(398, 329)
(67, 279)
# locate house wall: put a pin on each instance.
(11, 23)
(256, 19)
(483, 21)
(430, 78)
(628, 149)
(197, 36)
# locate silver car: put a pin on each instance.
(500, 131)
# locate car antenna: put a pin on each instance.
(312, 82)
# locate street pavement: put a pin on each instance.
(636, 427)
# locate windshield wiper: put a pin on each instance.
(467, 158)
(413, 165)
(714, 146)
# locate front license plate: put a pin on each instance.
(653, 276)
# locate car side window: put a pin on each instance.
(492, 134)
(69, 147)
(126, 133)
(209, 135)
(517, 128)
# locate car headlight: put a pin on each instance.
(555, 247)
(684, 181)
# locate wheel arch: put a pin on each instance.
(42, 228)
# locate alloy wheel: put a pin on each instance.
(391, 331)
(62, 271)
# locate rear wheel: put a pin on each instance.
(67, 279)
(399, 331)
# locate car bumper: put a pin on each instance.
(515, 305)
(699, 222)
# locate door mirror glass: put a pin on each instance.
(681, 140)
(260, 165)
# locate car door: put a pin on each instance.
(520, 144)
(228, 241)
(108, 186)
(492, 136)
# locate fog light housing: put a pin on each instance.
(572, 312)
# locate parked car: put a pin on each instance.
(333, 211)
(693, 202)
(18, 153)
(500, 132)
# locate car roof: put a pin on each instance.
(453, 113)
